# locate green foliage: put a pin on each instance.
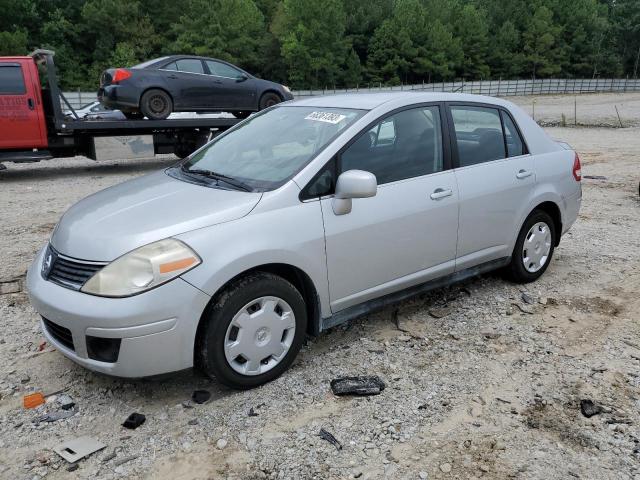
(313, 44)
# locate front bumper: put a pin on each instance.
(157, 328)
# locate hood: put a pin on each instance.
(112, 222)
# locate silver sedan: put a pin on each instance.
(301, 217)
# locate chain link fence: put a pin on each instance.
(496, 88)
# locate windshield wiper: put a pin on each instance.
(219, 176)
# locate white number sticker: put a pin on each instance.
(325, 117)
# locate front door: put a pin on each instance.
(495, 175)
(232, 89)
(406, 234)
(21, 122)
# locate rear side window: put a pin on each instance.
(478, 134)
(190, 65)
(405, 145)
(11, 80)
(222, 69)
(515, 145)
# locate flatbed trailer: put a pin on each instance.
(33, 126)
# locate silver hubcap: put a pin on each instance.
(536, 248)
(259, 335)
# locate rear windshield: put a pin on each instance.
(269, 148)
(11, 80)
(149, 62)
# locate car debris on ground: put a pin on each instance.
(371, 385)
(134, 420)
(325, 435)
(78, 448)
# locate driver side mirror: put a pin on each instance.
(353, 184)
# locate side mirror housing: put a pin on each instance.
(241, 78)
(353, 184)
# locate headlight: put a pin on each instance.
(286, 89)
(143, 269)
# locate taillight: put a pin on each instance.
(120, 74)
(577, 170)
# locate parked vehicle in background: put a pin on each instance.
(33, 126)
(95, 110)
(182, 83)
(298, 219)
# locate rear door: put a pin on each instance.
(21, 115)
(232, 89)
(188, 84)
(495, 176)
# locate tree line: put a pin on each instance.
(343, 43)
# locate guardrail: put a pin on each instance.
(496, 88)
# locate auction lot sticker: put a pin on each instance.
(325, 117)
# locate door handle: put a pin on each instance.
(31, 104)
(173, 77)
(439, 193)
(523, 174)
(219, 82)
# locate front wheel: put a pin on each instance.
(253, 331)
(534, 248)
(156, 104)
(269, 99)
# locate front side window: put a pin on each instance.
(269, 148)
(222, 69)
(189, 65)
(478, 134)
(405, 145)
(11, 80)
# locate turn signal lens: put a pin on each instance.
(143, 269)
(120, 74)
(577, 169)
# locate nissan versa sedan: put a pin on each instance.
(182, 83)
(297, 219)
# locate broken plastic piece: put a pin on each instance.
(330, 438)
(74, 450)
(589, 409)
(65, 402)
(134, 420)
(200, 396)
(33, 400)
(55, 416)
(370, 385)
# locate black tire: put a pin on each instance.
(210, 353)
(242, 114)
(516, 270)
(269, 99)
(133, 115)
(183, 150)
(156, 104)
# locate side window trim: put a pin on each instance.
(452, 132)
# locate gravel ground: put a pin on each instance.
(482, 382)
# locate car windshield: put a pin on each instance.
(269, 148)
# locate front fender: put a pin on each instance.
(292, 236)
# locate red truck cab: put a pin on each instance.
(22, 118)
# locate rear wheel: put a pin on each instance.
(156, 104)
(269, 99)
(253, 332)
(534, 248)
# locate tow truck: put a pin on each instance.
(33, 126)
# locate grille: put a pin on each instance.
(71, 273)
(60, 334)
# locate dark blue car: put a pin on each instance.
(183, 83)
